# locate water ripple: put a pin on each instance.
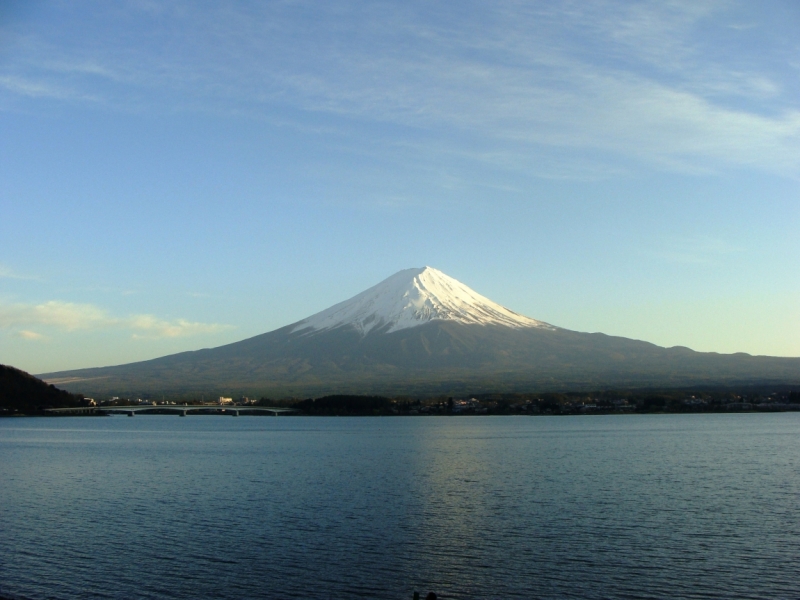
(667, 506)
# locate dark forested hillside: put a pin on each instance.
(23, 393)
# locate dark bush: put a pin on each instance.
(345, 405)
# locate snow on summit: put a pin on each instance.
(414, 297)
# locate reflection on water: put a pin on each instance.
(660, 506)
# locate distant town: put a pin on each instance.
(606, 402)
(22, 394)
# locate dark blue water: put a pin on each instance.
(666, 506)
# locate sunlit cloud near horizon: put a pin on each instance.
(68, 316)
(630, 168)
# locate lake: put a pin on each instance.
(622, 506)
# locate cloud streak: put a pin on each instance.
(611, 82)
(701, 250)
(71, 317)
(30, 335)
(7, 273)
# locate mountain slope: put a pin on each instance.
(420, 331)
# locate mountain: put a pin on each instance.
(411, 298)
(422, 332)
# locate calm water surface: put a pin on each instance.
(663, 506)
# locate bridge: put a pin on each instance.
(181, 410)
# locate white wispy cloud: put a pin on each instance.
(69, 316)
(8, 273)
(29, 335)
(42, 88)
(613, 82)
(150, 326)
(699, 250)
(63, 315)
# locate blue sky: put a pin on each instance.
(181, 175)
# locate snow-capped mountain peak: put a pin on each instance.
(414, 297)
